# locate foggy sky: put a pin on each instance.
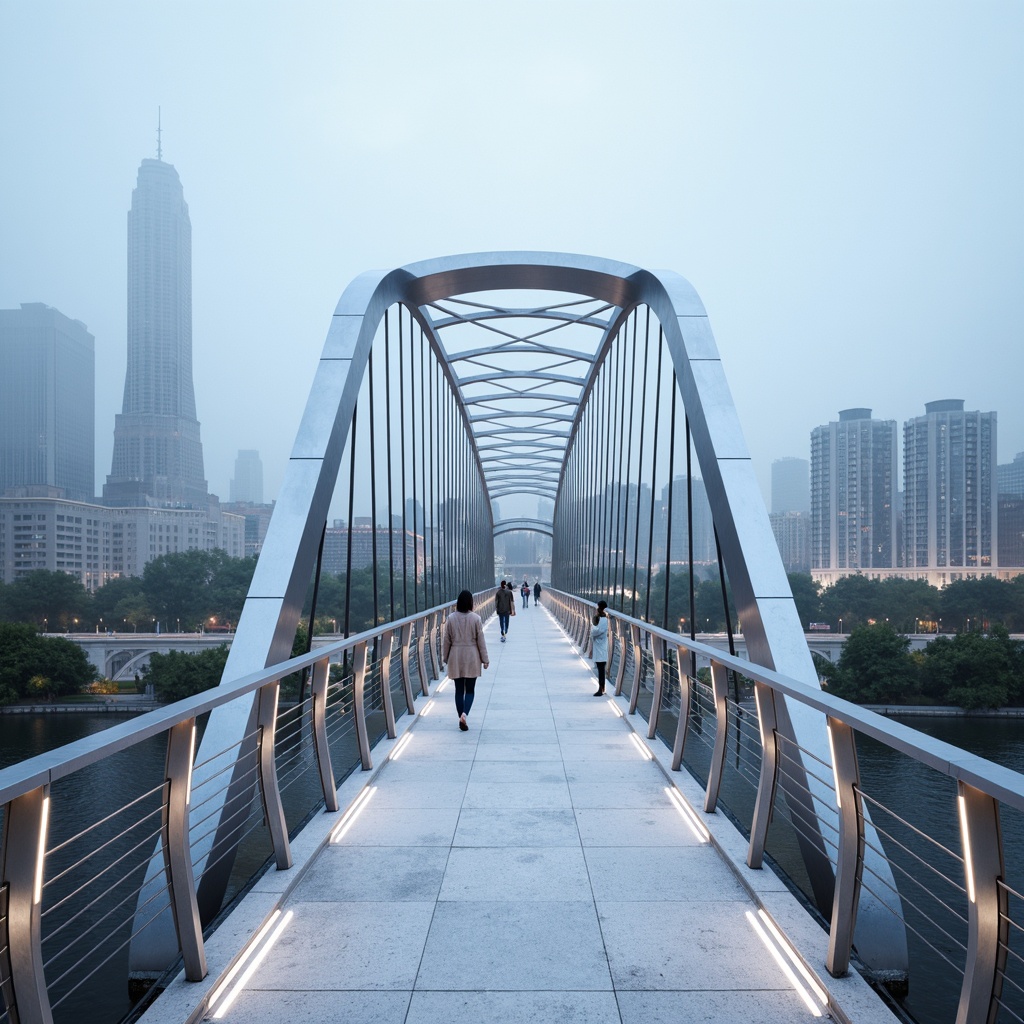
(841, 182)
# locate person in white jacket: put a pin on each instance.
(599, 644)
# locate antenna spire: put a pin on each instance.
(159, 147)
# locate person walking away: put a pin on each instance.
(599, 644)
(464, 651)
(504, 605)
(525, 591)
(536, 593)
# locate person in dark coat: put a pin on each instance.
(536, 592)
(504, 606)
(464, 651)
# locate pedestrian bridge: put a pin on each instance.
(720, 840)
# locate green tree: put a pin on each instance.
(176, 675)
(974, 671)
(852, 599)
(125, 591)
(25, 655)
(53, 600)
(977, 604)
(875, 667)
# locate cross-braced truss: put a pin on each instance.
(521, 372)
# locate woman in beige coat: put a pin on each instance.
(464, 651)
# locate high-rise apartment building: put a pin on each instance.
(853, 507)
(949, 483)
(158, 456)
(47, 402)
(247, 483)
(791, 488)
(1010, 478)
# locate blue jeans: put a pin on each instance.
(465, 691)
(503, 623)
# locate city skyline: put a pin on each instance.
(838, 268)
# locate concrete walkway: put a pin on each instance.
(535, 869)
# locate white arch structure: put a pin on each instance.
(519, 448)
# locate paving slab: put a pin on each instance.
(534, 870)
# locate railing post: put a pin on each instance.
(421, 635)
(181, 747)
(620, 675)
(318, 714)
(850, 852)
(764, 698)
(684, 708)
(720, 691)
(359, 704)
(21, 882)
(634, 693)
(428, 641)
(273, 810)
(987, 921)
(658, 656)
(406, 642)
(383, 651)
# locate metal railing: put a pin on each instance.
(70, 888)
(951, 889)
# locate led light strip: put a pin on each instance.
(615, 708)
(691, 819)
(441, 686)
(401, 745)
(427, 708)
(966, 840)
(255, 962)
(352, 813)
(44, 825)
(781, 960)
(798, 963)
(644, 752)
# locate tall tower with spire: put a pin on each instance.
(158, 455)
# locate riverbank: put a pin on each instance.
(117, 704)
(941, 711)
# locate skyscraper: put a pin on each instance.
(247, 483)
(158, 456)
(853, 508)
(949, 483)
(47, 402)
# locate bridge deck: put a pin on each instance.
(533, 869)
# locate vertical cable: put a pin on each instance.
(640, 456)
(387, 420)
(351, 501)
(654, 471)
(619, 525)
(373, 499)
(671, 492)
(401, 427)
(689, 542)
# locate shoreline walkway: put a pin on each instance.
(537, 868)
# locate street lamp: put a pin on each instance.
(45, 625)
(179, 624)
(840, 626)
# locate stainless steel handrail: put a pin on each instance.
(25, 790)
(981, 786)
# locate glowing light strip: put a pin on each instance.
(644, 752)
(244, 958)
(251, 969)
(781, 961)
(352, 813)
(44, 824)
(691, 819)
(797, 962)
(191, 761)
(427, 708)
(968, 862)
(441, 686)
(400, 746)
(835, 774)
(615, 708)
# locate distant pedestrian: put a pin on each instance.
(536, 592)
(505, 606)
(525, 591)
(464, 651)
(599, 644)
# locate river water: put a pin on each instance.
(916, 793)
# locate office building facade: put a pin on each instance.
(853, 501)
(158, 455)
(47, 402)
(247, 483)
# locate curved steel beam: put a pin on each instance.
(525, 525)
